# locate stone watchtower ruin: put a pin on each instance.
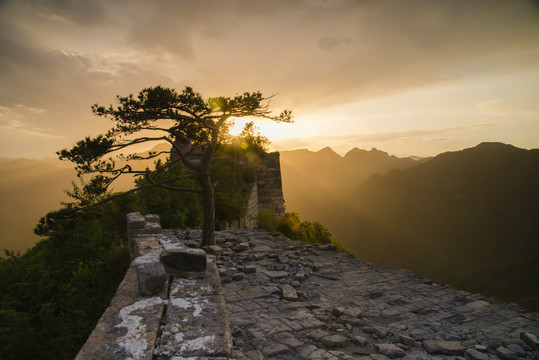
(266, 192)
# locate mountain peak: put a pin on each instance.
(355, 151)
(376, 151)
(328, 151)
(360, 153)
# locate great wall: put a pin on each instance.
(258, 295)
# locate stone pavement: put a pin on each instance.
(288, 300)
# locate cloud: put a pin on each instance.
(79, 12)
(64, 55)
(512, 107)
(330, 43)
(377, 137)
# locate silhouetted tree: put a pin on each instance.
(191, 125)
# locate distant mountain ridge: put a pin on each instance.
(28, 189)
(312, 181)
(31, 188)
(469, 218)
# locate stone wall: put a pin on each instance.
(157, 311)
(283, 299)
(269, 185)
(265, 193)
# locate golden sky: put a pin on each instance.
(409, 77)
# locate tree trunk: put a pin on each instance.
(208, 227)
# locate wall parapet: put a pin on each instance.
(155, 315)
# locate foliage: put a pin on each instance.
(176, 209)
(267, 219)
(54, 293)
(252, 140)
(512, 280)
(292, 227)
(193, 127)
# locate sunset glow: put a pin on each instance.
(410, 77)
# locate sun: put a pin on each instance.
(238, 124)
(270, 129)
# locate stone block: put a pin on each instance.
(152, 218)
(197, 323)
(249, 269)
(353, 312)
(338, 311)
(390, 350)
(135, 221)
(238, 277)
(288, 293)
(505, 354)
(184, 262)
(274, 350)
(475, 355)
(358, 340)
(128, 327)
(144, 245)
(530, 339)
(148, 229)
(214, 250)
(151, 277)
(406, 340)
(443, 347)
(275, 274)
(334, 341)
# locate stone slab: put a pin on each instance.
(443, 347)
(128, 327)
(196, 321)
(390, 350)
(279, 274)
(184, 262)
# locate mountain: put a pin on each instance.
(29, 189)
(469, 218)
(314, 182)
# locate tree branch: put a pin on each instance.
(153, 184)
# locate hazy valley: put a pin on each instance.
(29, 189)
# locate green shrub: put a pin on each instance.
(267, 220)
(292, 227)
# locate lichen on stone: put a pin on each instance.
(133, 341)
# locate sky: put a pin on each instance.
(410, 77)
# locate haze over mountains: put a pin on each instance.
(313, 182)
(29, 189)
(469, 218)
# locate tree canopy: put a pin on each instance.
(191, 125)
